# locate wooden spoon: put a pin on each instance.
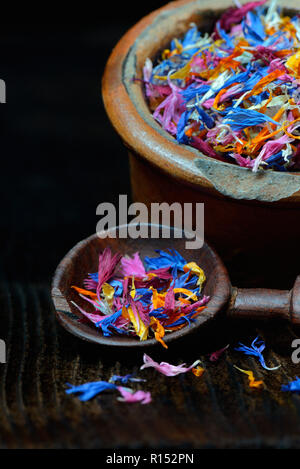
(234, 302)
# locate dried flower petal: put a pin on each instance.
(292, 386)
(125, 379)
(198, 371)
(253, 383)
(166, 368)
(133, 266)
(256, 350)
(217, 354)
(89, 390)
(130, 396)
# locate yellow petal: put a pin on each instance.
(108, 292)
(158, 299)
(253, 383)
(139, 327)
(151, 275)
(133, 290)
(195, 269)
(188, 293)
(293, 63)
(159, 331)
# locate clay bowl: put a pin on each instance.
(239, 205)
(83, 259)
(229, 301)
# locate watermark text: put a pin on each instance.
(296, 352)
(2, 351)
(153, 221)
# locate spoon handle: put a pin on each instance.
(262, 303)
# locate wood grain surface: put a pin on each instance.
(216, 410)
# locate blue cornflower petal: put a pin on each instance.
(251, 35)
(125, 379)
(225, 36)
(180, 135)
(183, 281)
(89, 390)
(191, 36)
(256, 24)
(276, 157)
(292, 386)
(158, 313)
(144, 296)
(165, 259)
(256, 349)
(187, 318)
(108, 322)
(208, 121)
(193, 90)
(240, 118)
(118, 286)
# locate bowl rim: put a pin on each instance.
(63, 308)
(130, 117)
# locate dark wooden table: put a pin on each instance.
(216, 410)
(59, 160)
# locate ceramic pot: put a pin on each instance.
(243, 210)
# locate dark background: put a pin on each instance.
(60, 156)
(59, 159)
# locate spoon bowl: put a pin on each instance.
(83, 259)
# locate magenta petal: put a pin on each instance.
(187, 309)
(170, 300)
(235, 15)
(217, 354)
(107, 266)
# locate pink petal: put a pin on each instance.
(270, 148)
(276, 64)
(242, 161)
(205, 148)
(133, 266)
(92, 317)
(166, 368)
(138, 396)
(209, 103)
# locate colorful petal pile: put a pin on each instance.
(234, 95)
(128, 298)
